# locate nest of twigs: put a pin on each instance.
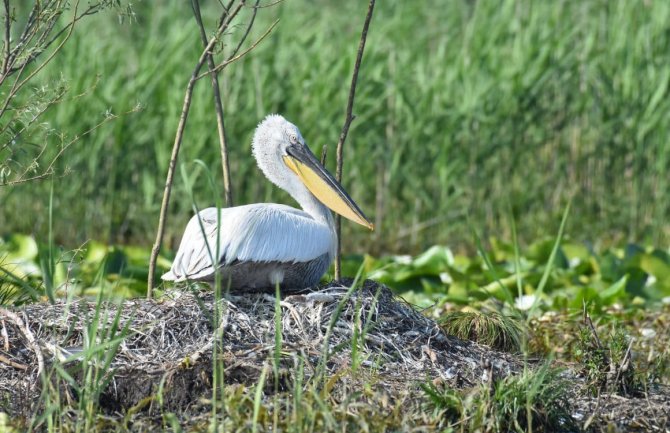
(141, 345)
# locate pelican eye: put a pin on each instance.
(293, 138)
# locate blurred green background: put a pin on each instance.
(465, 110)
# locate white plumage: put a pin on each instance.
(262, 244)
(263, 232)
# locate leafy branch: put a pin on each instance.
(41, 33)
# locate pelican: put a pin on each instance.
(264, 244)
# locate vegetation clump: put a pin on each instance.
(490, 328)
(534, 400)
(608, 365)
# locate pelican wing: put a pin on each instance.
(252, 233)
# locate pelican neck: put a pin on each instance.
(310, 204)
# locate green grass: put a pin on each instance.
(535, 400)
(463, 109)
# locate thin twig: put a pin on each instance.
(345, 130)
(50, 170)
(587, 320)
(218, 106)
(269, 5)
(11, 363)
(29, 31)
(16, 87)
(13, 91)
(242, 54)
(21, 43)
(248, 30)
(176, 146)
(324, 154)
(624, 365)
(25, 330)
(34, 118)
(5, 336)
(36, 25)
(8, 27)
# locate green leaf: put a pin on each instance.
(615, 292)
(18, 248)
(654, 264)
(434, 260)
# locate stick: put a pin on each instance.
(587, 320)
(177, 144)
(25, 330)
(345, 130)
(8, 28)
(11, 363)
(232, 59)
(220, 125)
(324, 154)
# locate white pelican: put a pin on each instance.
(264, 244)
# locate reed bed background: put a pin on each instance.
(465, 109)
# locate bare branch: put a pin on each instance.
(345, 129)
(242, 54)
(324, 154)
(246, 33)
(220, 125)
(8, 40)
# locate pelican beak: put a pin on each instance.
(323, 185)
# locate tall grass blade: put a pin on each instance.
(550, 262)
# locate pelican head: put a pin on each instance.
(284, 158)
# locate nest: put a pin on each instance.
(141, 345)
(135, 350)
